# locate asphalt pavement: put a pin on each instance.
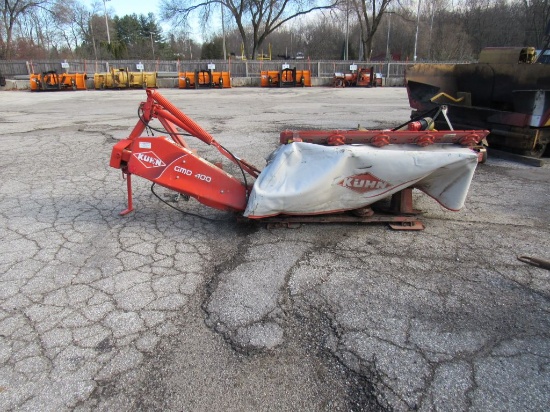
(158, 310)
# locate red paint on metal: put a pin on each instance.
(381, 138)
(169, 162)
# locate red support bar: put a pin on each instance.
(129, 188)
(381, 138)
(198, 131)
(250, 169)
(173, 132)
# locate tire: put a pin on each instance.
(538, 151)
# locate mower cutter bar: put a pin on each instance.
(380, 138)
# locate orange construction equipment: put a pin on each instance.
(204, 79)
(285, 78)
(362, 78)
(51, 80)
(344, 79)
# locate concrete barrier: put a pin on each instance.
(16, 85)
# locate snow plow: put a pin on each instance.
(364, 77)
(124, 79)
(286, 77)
(204, 79)
(51, 80)
(363, 176)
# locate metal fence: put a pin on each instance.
(238, 68)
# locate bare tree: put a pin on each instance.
(448, 39)
(66, 20)
(11, 11)
(494, 23)
(326, 39)
(369, 14)
(51, 28)
(255, 19)
(82, 25)
(433, 9)
(394, 38)
(537, 18)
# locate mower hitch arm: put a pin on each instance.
(169, 162)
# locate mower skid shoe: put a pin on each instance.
(413, 225)
(130, 208)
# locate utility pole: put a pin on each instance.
(223, 35)
(417, 24)
(346, 51)
(107, 21)
(389, 13)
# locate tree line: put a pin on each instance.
(362, 30)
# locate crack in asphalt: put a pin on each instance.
(157, 311)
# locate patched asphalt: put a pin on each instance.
(159, 310)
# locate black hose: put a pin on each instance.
(427, 113)
(210, 219)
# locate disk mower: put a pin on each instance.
(313, 176)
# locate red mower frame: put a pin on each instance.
(170, 162)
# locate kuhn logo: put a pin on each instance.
(149, 159)
(363, 183)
